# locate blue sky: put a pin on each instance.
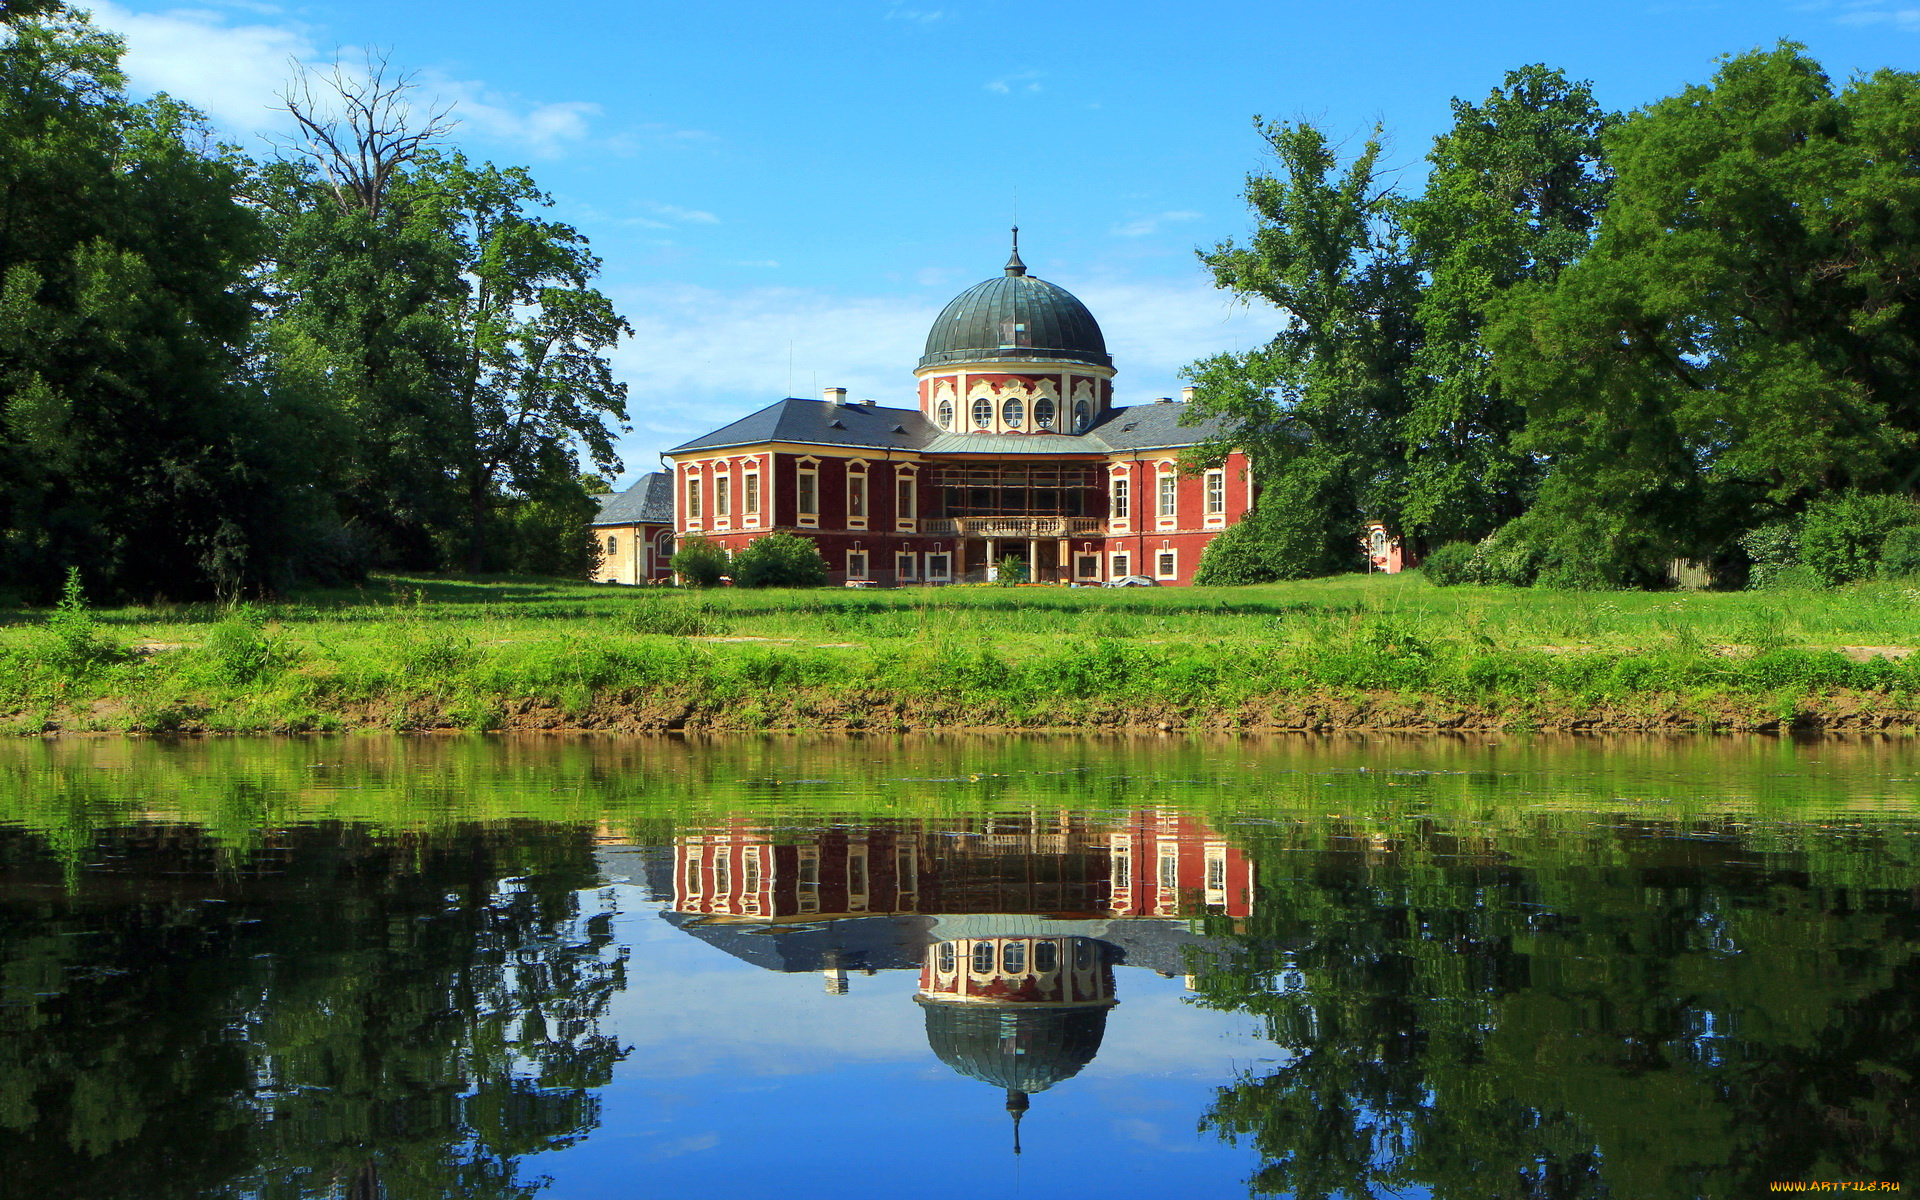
(776, 182)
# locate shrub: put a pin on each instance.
(1772, 551)
(1900, 553)
(241, 649)
(1842, 535)
(779, 560)
(700, 562)
(77, 644)
(1450, 565)
(1012, 572)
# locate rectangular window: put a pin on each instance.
(693, 875)
(1169, 496)
(856, 564)
(907, 869)
(750, 872)
(752, 485)
(720, 873)
(903, 567)
(857, 879)
(693, 497)
(1166, 567)
(1086, 566)
(1169, 866)
(857, 497)
(722, 495)
(1216, 493)
(1120, 492)
(1122, 565)
(1122, 867)
(1216, 870)
(939, 568)
(809, 494)
(905, 506)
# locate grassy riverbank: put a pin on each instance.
(1344, 653)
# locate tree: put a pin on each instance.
(700, 562)
(1744, 334)
(129, 443)
(473, 336)
(1517, 191)
(1318, 409)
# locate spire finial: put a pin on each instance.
(1014, 265)
(1016, 1105)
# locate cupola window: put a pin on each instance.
(1043, 413)
(1046, 957)
(1013, 958)
(983, 958)
(1013, 413)
(1079, 415)
(982, 413)
(946, 414)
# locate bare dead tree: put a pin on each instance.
(360, 129)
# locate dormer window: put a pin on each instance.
(1043, 413)
(1013, 413)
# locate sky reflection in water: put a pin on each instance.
(585, 969)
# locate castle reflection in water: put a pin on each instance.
(1015, 923)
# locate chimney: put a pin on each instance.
(868, 403)
(834, 395)
(1163, 400)
(1186, 394)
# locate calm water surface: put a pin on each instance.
(389, 968)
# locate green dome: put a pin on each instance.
(1020, 1049)
(1015, 318)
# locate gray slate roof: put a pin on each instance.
(812, 422)
(648, 502)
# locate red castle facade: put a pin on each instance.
(1014, 450)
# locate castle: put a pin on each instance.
(1014, 450)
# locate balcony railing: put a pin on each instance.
(1014, 527)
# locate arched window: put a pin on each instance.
(1079, 415)
(1046, 956)
(982, 412)
(613, 546)
(983, 958)
(1013, 958)
(946, 958)
(1043, 413)
(946, 414)
(1013, 413)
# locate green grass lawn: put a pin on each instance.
(1364, 651)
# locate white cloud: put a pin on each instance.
(234, 72)
(1143, 226)
(1907, 20)
(1025, 81)
(700, 357)
(916, 15)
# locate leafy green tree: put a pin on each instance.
(1318, 410)
(129, 443)
(1742, 335)
(1516, 193)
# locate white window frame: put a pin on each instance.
(691, 503)
(861, 571)
(806, 486)
(722, 498)
(1120, 501)
(943, 413)
(904, 567)
(1166, 507)
(1216, 494)
(945, 573)
(906, 486)
(973, 412)
(1161, 558)
(613, 545)
(750, 497)
(1118, 564)
(857, 487)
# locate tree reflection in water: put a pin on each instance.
(1628, 1010)
(334, 1013)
